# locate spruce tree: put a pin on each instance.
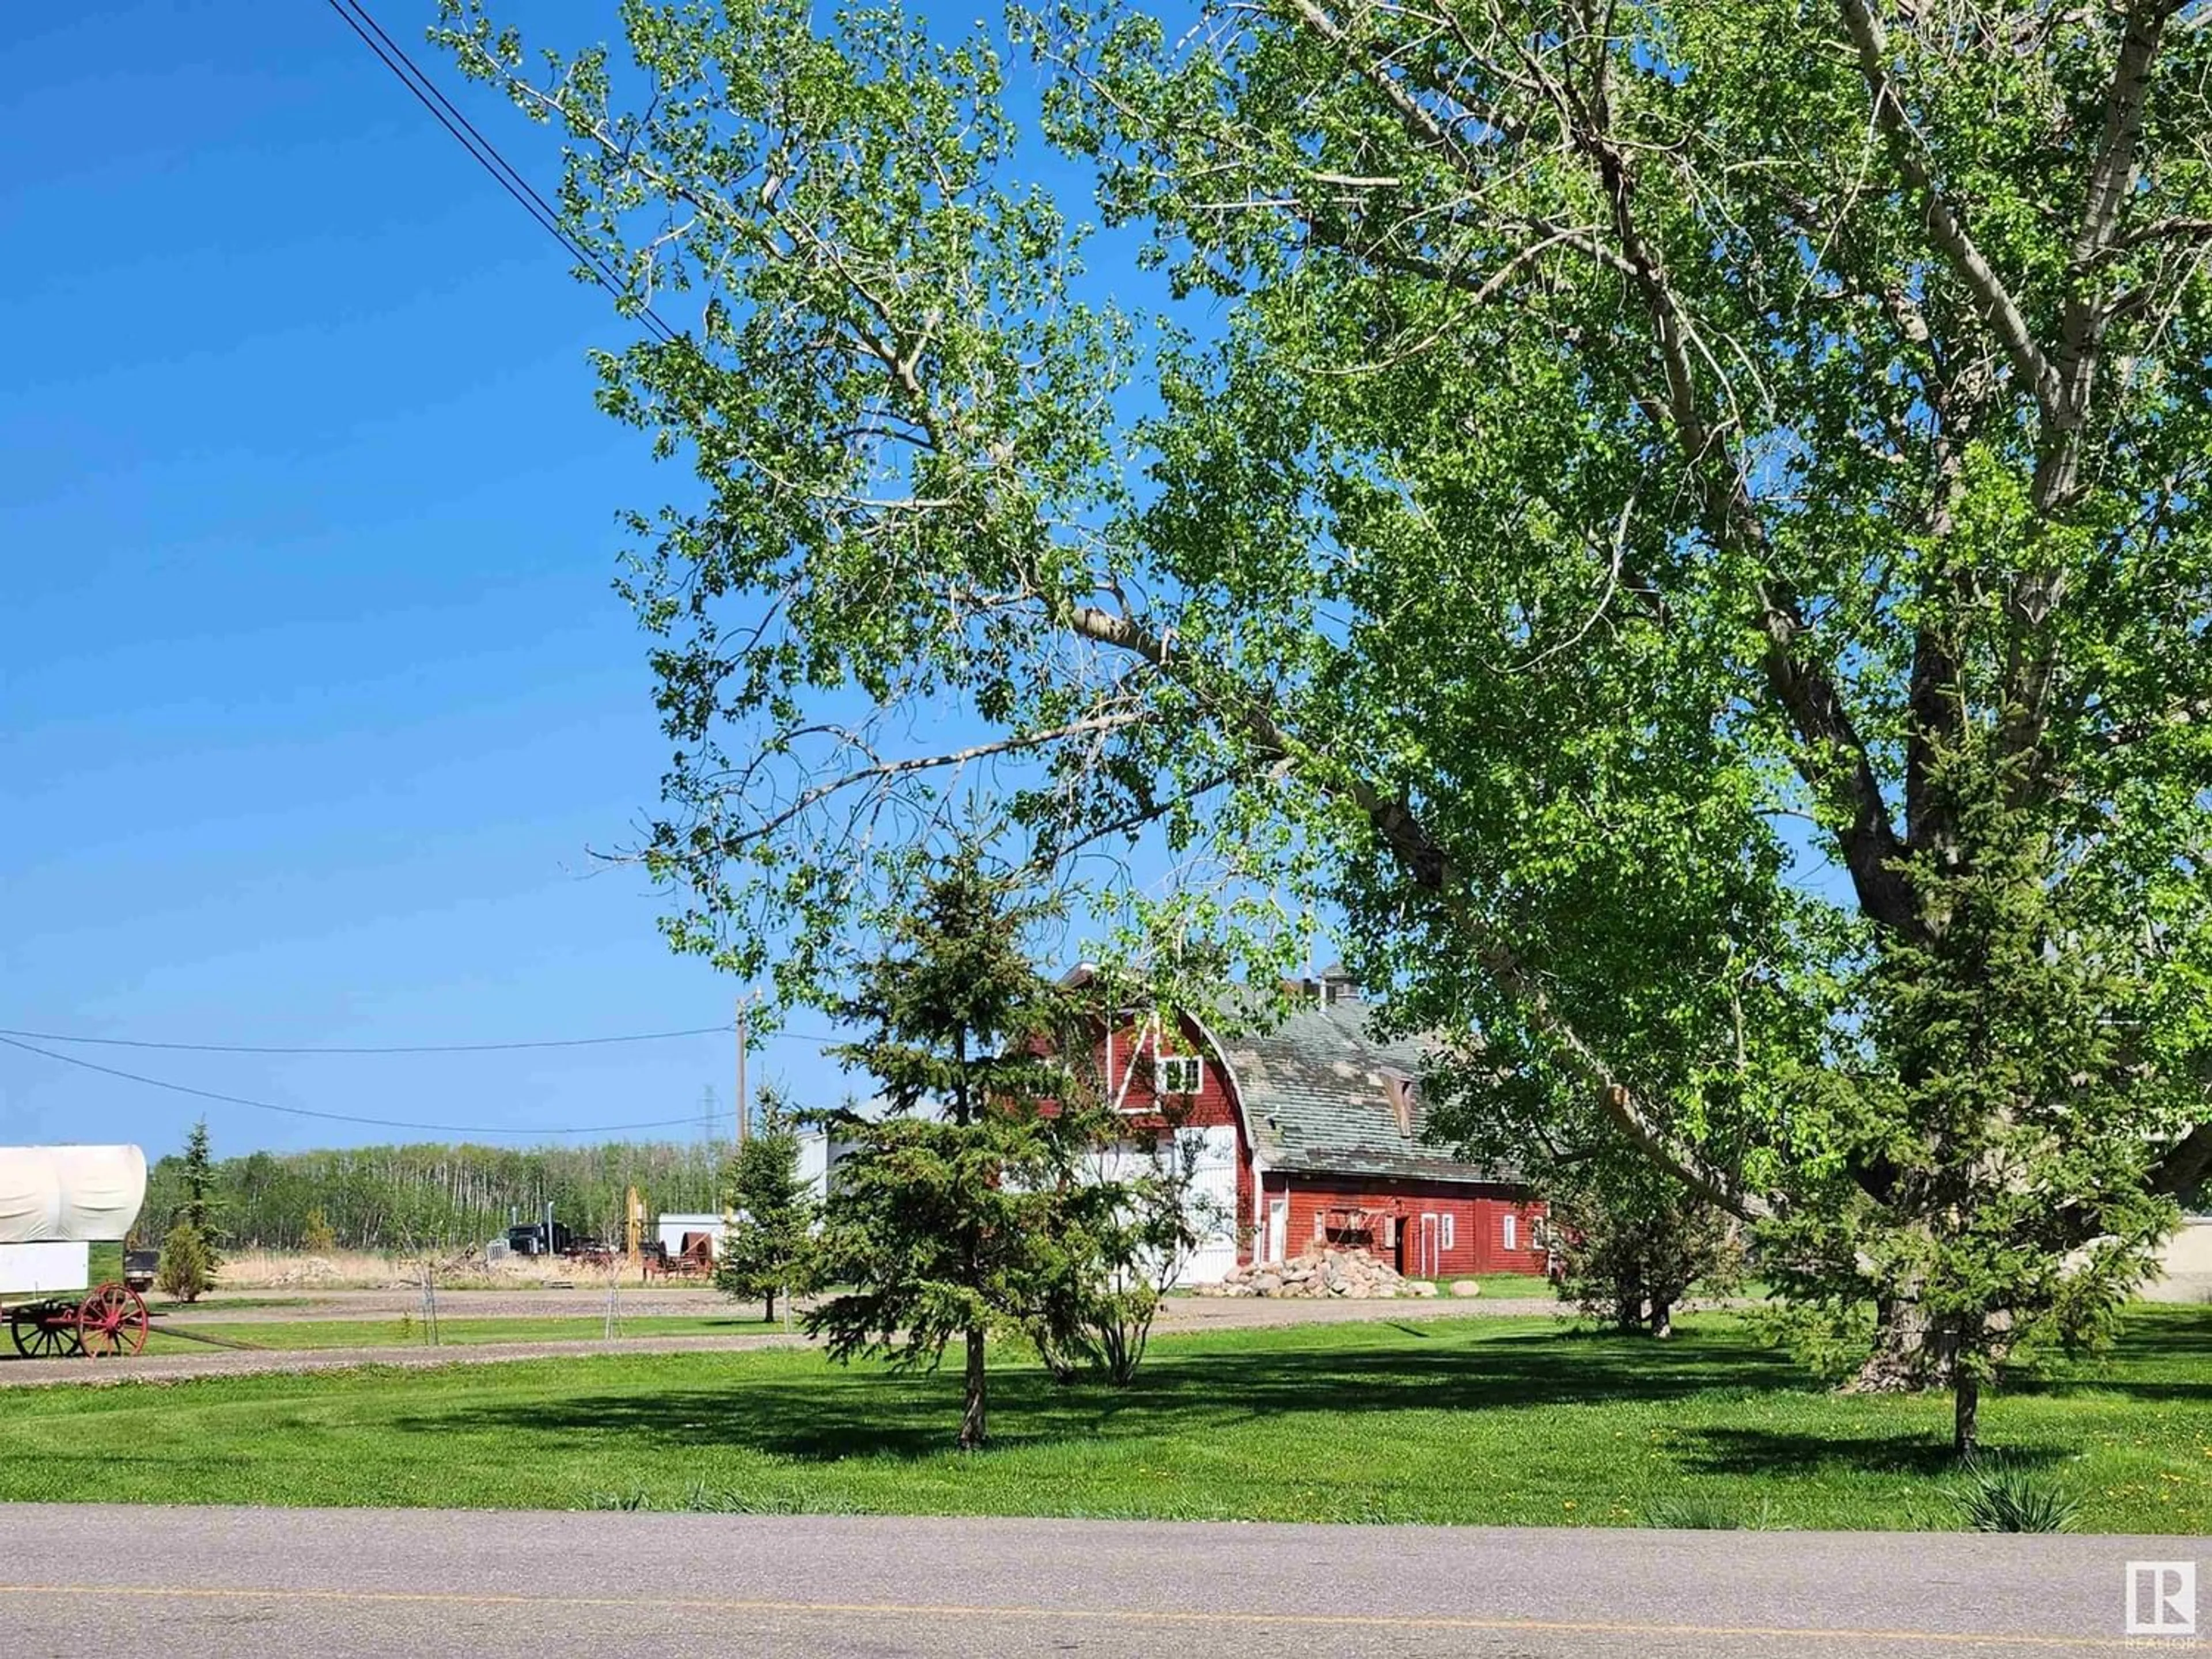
(942, 1219)
(199, 1175)
(769, 1250)
(197, 1210)
(186, 1270)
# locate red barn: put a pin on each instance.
(1312, 1133)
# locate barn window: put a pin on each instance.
(1512, 1232)
(1177, 1075)
(1444, 1232)
(1398, 1089)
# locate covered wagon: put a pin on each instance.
(56, 1203)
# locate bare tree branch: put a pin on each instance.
(2185, 1165)
(882, 771)
(1994, 300)
(2085, 319)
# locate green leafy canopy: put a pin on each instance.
(1683, 524)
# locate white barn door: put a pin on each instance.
(1213, 1197)
(1212, 1202)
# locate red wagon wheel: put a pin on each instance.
(41, 1334)
(112, 1321)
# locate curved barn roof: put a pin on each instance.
(1321, 1094)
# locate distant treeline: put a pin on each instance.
(386, 1198)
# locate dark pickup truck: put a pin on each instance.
(139, 1267)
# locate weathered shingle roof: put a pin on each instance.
(1316, 1093)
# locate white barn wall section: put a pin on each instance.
(2184, 1272)
(814, 1162)
(1217, 1256)
(1214, 1204)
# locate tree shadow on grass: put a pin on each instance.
(1753, 1451)
(2161, 1353)
(862, 1413)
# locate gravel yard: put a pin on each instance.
(386, 1307)
(1180, 1312)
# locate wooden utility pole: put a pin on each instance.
(744, 1129)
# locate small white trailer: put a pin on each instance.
(56, 1203)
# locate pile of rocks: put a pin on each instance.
(1321, 1272)
(307, 1270)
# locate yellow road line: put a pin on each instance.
(1132, 1615)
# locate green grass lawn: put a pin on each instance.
(1490, 1420)
(1515, 1286)
(451, 1332)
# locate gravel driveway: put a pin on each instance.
(1181, 1313)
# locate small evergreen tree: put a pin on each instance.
(197, 1210)
(949, 1225)
(1999, 1086)
(769, 1250)
(316, 1232)
(198, 1177)
(186, 1269)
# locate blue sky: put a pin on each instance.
(313, 697)
(314, 700)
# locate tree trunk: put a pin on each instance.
(1627, 1312)
(770, 1316)
(1965, 1411)
(973, 1428)
(1908, 1356)
(1662, 1319)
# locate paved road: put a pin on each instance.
(444, 1584)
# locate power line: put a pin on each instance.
(392, 1049)
(448, 115)
(408, 1048)
(334, 1117)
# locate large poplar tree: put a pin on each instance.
(1684, 524)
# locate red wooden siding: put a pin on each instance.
(1133, 1049)
(1319, 1204)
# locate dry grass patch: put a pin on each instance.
(366, 1270)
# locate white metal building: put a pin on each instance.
(674, 1226)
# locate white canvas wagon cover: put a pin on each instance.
(70, 1193)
